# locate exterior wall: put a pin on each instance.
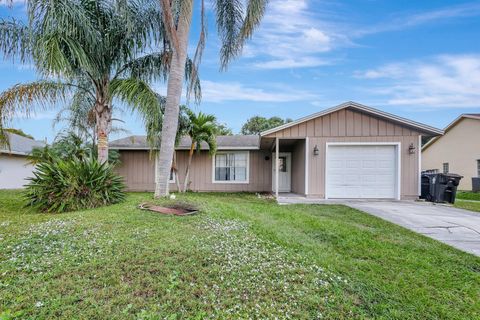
(139, 172)
(298, 167)
(460, 147)
(343, 123)
(352, 126)
(13, 171)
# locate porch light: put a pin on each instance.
(315, 151)
(411, 148)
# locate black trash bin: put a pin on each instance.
(476, 184)
(442, 187)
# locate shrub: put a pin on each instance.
(72, 184)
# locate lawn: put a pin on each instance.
(468, 200)
(240, 257)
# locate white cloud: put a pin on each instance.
(234, 91)
(291, 36)
(11, 2)
(446, 81)
(412, 20)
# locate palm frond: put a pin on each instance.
(145, 101)
(193, 81)
(22, 99)
(15, 40)
(254, 14)
(148, 68)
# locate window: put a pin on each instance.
(231, 167)
(445, 167)
(172, 176)
(478, 168)
(282, 164)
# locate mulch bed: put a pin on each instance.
(176, 210)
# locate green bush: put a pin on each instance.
(61, 185)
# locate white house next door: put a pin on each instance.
(284, 172)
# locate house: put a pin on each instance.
(348, 151)
(14, 167)
(458, 151)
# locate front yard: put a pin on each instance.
(468, 200)
(240, 257)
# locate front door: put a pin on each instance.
(284, 172)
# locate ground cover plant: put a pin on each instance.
(239, 257)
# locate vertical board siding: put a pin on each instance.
(138, 171)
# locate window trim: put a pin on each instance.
(478, 168)
(246, 181)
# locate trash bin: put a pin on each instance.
(441, 187)
(476, 184)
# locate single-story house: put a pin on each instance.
(348, 151)
(14, 167)
(458, 151)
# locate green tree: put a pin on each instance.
(201, 128)
(88, 54)
(258, 124)
(223, 129)
(236, 21)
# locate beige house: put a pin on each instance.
(348, 151)
(458, 151)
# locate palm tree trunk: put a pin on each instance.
(175, 169)
(103, 115)
(187, 171)
(174, 93)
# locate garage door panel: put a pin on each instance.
(361, 171)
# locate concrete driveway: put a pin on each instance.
(455, 227)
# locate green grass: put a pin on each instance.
(468, 195)
(468, 200)
(239, 257)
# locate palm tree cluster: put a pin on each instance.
(89, 53)
(92, 53)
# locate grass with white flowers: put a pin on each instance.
(240, 257)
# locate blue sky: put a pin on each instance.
(417, 59)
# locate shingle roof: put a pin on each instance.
(21, 145)
(246, 142)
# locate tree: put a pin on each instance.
(235, 24)
(201, 128)
(87, 53)
(223, 129)
(257, 124)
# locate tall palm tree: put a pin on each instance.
(235, 24)
(201, 128)
(87, 52)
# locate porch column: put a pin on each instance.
(276, 166)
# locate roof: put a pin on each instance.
(20, 145)
(475, 116)
(236, 142)
(362, 108)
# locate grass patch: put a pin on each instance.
(240, 257)
(468, 195)
(468, 205)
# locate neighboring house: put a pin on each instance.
(458, 151)
(14, 167)
(348, 151)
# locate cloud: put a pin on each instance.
(291, 36)
(8, 3)
(412, 20)
(445, 81)
(234, 91)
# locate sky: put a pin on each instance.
(416, 59)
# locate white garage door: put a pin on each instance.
(361, 171)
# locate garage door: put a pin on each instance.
(361, 171)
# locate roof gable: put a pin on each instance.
(474, 116)
(421, 128)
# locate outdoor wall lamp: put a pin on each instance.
(315, 151)
(411, 148)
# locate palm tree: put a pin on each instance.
(201, 128)
(235, 24)
(88, 53)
